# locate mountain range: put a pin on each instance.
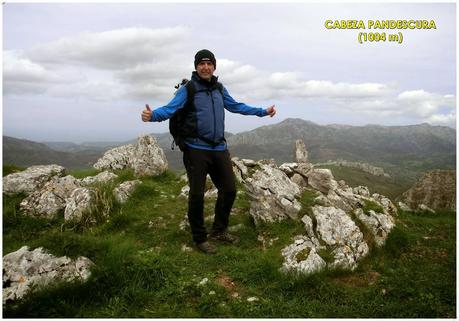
(401, 150)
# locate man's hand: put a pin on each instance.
(271, 110)
(146, 114)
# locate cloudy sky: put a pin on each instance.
(83, 72)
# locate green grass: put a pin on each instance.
(141, 271)
(9, 169)
(372, 206)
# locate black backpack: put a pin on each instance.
(177, 123)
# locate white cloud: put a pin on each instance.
(140, 64)
(442, 119)
(114, 49)
(24, 76)
(424, 104)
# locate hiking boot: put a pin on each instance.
(206, 247)
(224, 237)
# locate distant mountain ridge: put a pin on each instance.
(400, 150)
(27, 153)
(361, 141)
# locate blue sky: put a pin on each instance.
(83, 72)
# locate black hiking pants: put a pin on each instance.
(217, 164)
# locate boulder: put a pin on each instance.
(80, 202)
(339, 232)
(49, 200)
(125, 189)
(361, 190)
(272, 194)
(299, 180)
(116, 158)
(303, 169)
(322, 180)
(288, 168)
(25, 271)
(301, 154)
(379, 224)
(149, 159)
(101, 178)
(301, 256)
(388, 206)
(146, 158)
(436, 189)
(30, 179)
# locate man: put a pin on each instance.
(205, 151)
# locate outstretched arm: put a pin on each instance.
(167, 111)
(241, 108)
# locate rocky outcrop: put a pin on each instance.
(435, 189)
(124, 190)
(101, 178)
(49, 200)
(272, 194)
(80, 202)
(145, 157)
(30, 179)
(322, 180)
(53, 194)
(25, 270)
(379, 224)
(340, 233)
(301, 154)
(332, 234)
(302, 256)
(365, 167)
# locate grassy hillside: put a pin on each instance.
(142, 271)
(387, 186)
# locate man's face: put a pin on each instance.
(205, 70)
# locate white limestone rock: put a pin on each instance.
(288, 168)
(308, 225)
(116, 158)
(149, 159)
(49, 200)
(25, 270)
(322, 180)
(31, 179)
(338, 231)
(125, 189)
(80, 201)
(380, 224)
(304, 169)
(145, 157)
(299, 180)
(301, 256)
(301, 154)
(388, 206)
(272, 195)
(361, 190)
(101, 178)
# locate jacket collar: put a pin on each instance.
(211, 83)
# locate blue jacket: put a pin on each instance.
(209, 112)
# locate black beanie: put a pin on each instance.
(204, 54)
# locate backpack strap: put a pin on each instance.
(190, 91)
(219, 86)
